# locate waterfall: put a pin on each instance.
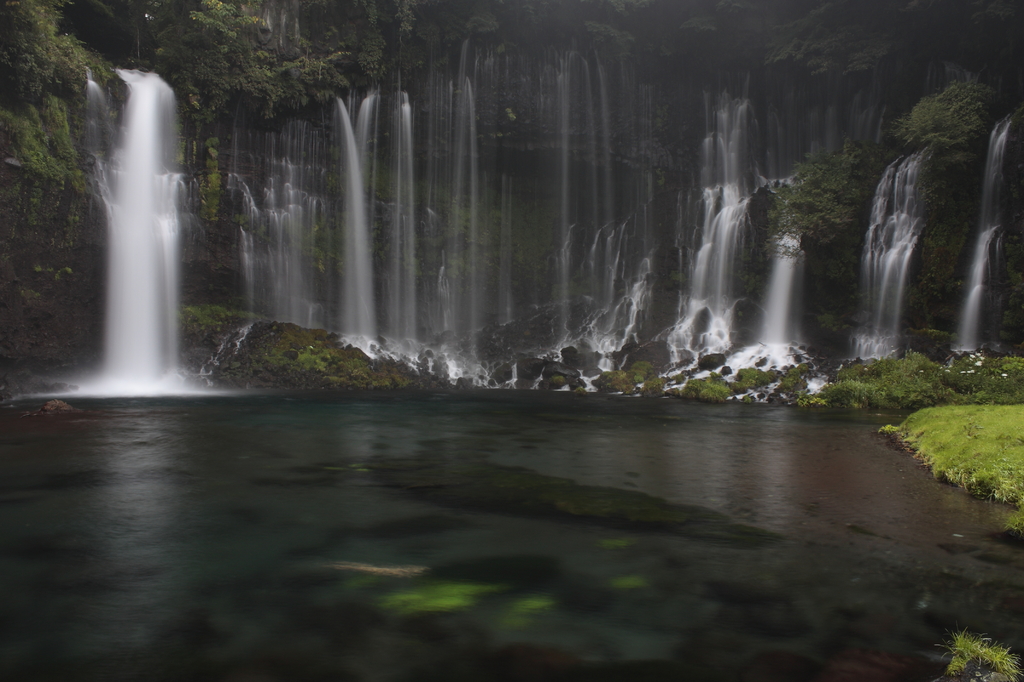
(706, 325)
(140, 188)
(970, 335)
(564, 255)
(402, 306)
(358, 310)
(505, 299)
(897, 217)
(285, 214)
(778, 314)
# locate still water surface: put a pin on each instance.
(329, 537)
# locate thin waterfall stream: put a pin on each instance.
(897, 217)
(978, 302)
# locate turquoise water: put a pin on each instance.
(434, 535)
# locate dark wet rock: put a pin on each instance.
(24, 381)
(958, 547)
(557, 369)
(557, 375)
(530, 369)
(581, 594)
(864, 665)
(643, 671)
(761, 611)
(522, 571)
(490, 487)
(572, 357)
(725, 371)
(417, 525)
(741, 593)
(779, 618)
(502, 374)
(656, 353)
(779, 666)
(530, 663)
(711, 361)
(53, 407)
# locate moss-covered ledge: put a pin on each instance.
(269, 354)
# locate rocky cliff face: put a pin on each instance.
(52, 245)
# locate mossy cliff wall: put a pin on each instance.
(254, 67)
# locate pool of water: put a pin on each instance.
(465, 535)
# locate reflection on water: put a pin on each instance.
(298, 537)
(134, 516)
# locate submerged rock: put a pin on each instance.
(494, 488)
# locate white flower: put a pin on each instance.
(1004, 374)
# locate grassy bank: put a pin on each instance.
(977, 447)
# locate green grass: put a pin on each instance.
(977, 447)
(915, 382)
(966, 647)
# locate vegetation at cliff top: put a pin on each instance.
(823, 212)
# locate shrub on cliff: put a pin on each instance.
(824, 210)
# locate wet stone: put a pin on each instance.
(779, 666)
(864, 665)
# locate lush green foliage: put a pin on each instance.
(966, 647)
(825, 210)
(915, 382)
(948, 124)
(35, 57)
(953, 127)
(845, 36)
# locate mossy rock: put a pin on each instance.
(487, 487)
(616, 382)
(285, 355)
(653, 388)
(710, 390)
(750, 378)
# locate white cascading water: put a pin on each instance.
(402, 308)
(140, 188)
(285, 213)
(897, 217)
(358, 308)
(778, 334)
(969, 335)
(706, 320)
